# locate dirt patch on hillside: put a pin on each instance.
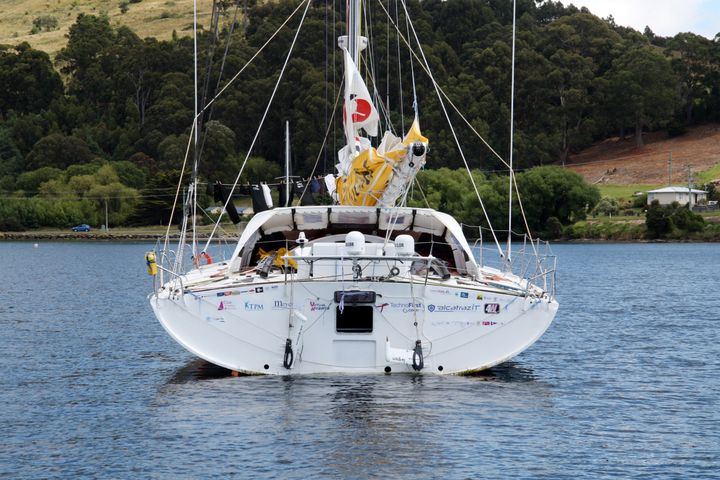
(616, 161)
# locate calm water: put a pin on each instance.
(626, 383)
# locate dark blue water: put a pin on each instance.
(626, 384)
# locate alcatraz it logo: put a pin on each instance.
(431, 308)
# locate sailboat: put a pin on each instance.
(366, 285)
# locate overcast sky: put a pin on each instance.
(664, 17)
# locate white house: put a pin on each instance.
(668, 195)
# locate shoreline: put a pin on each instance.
(96, 237)
(153, 237)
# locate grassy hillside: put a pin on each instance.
(148, 18)
(619, 169)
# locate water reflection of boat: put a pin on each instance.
(365, 285)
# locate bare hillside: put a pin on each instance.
(618, 162)
(148, 18)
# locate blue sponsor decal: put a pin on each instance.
(253, 307)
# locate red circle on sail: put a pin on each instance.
(362, 110)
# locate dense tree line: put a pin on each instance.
(113, 99)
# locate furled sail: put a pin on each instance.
(379, 176)
(368, 175)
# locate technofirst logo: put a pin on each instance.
(453, 308)
(405, 307)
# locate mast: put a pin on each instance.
(193, 192)
(353, 28)
(287, 163)
(508, 256)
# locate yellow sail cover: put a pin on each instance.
(372, 170)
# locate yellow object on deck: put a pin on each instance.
(279, 253)
(372, 169)
(151, 263)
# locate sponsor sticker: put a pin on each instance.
(281, 305)
(493, 308)
(405, 307)
(316, 306)
(253, 307)
(449, 308)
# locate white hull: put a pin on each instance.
(245, 329)
(354, 303)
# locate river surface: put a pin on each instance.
(625, 383)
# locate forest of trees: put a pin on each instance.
(108, 120)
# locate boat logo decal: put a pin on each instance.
(258, 289)
(227, 305)
(463, 294)
(443, 291)
(315, 306)
(406, 307)
(452, 308)
(253, 307)
(492, 308)
(281, 305)
(479, 296)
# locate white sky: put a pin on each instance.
(664, 17)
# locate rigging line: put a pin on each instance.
(177, 191)
(262, 121)
(412, 68)
(228, 41)
(325, 9)
(193, 185)
(334, 10)
(235, 77)
(455, 108)
(417, 182)
(378, 102)
(452, 130)
(387, 65)
(327, 131)
(399, 60)
(211, 102)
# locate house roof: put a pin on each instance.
(676, 190)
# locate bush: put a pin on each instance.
(606, 206)
(661, 221)
(553, 229)
(640, 201)
(657, 220)
(46, 23)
